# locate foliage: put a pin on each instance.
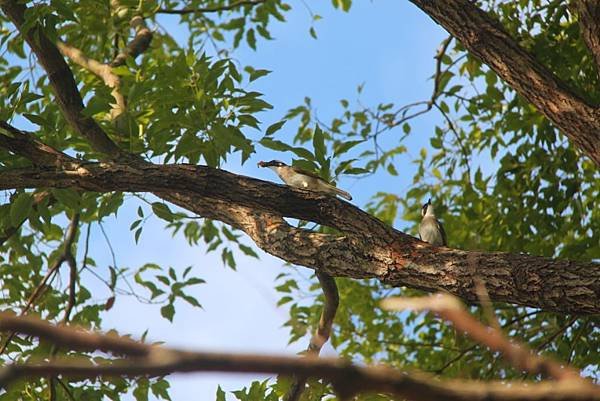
(504, 179)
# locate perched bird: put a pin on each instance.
(296, 177)
(431, 230)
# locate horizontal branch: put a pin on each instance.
(347, 379)
(485, 37)
(367, 248)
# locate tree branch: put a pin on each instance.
(28, 146)
(367, 248)
(139, 43)
(203, 10)
(589, 24)
(103, 71)
(450, 309)
(62, 81)
(323, 331)
(486, 38)
(347, 379)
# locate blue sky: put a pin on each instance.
(388, 46)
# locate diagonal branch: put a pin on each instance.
(62, 81)
(366, 248)
(103, 71)
(484, 37)
(450, 309)
(347, 379)
(589, 24)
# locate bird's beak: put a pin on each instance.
(262, 164)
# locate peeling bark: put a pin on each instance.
(365, 248)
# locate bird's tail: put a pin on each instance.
(342, 193)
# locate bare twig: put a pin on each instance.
(103, 71)
(347, 379)
(450, 308)
(203, 10)
(557, 333)
(323, 331)
(139, 43)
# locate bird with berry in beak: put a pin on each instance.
(299, 178)
(431, 230)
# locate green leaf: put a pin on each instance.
(168, 311)
(344, 147)
(20, 208)
(255, 74)
(162, 211)
(357, 170)
(248, 251)
(220, 394)
(319, 144)
(68, 197)
(251, 39)
(273, 128)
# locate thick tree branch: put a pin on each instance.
(62, 81)
(486, 38)
(367, 247)
(28, 146)
(348, 380)
(589, 23)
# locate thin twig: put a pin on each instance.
(103, 71)
(558, 332)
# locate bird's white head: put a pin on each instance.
(427, 209)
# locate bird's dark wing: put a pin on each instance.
(306, 172)
(441, 227)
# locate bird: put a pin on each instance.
(299, 178)
(431, 230)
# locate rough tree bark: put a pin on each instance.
(365, 248)
(485, 37)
